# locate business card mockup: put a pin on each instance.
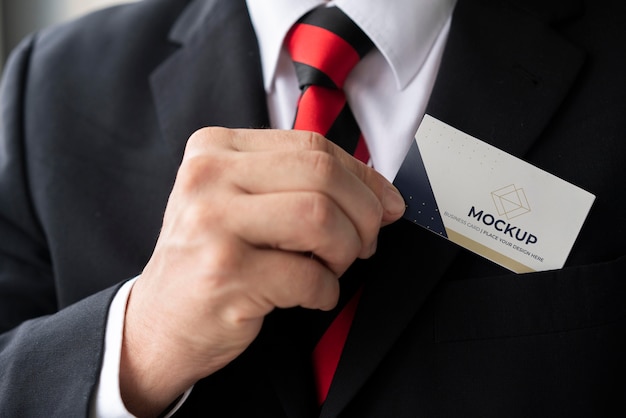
(488, 201)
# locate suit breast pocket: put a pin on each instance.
(531, 304)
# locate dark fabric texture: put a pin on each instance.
(94, 119)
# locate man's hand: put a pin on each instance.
(257, 219)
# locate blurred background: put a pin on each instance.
(21, 17)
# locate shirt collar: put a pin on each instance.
(405, 44)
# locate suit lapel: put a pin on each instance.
(190, 91)
(503, 75)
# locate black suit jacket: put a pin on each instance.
(94, 119)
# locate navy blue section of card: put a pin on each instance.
(412, 181)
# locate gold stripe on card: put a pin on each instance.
(487, 252)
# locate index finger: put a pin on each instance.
(261, 140)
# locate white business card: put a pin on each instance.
(488, 201)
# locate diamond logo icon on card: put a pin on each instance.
(510, 201)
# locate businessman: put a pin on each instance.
(163, 252)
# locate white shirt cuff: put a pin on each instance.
(107, 401)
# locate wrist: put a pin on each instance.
(151, 376)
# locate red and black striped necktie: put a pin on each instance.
(325, 45)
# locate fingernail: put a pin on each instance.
(393, 201)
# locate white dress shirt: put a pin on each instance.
(387, 92)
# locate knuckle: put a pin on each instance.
(345, 254)
(374, 213)
(191, 171)
(308, 285)
(219, 267)
(316, 290)
(197, 217)
(196, 138)
(318, 211)
(196, 142)
(315, 141)
(184, 224)
(369, 229)
(192, 147)
(323, 226)
(198, 171)
(323, 166)
(206, 137)
(374, 180)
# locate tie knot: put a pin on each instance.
(325, 45)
